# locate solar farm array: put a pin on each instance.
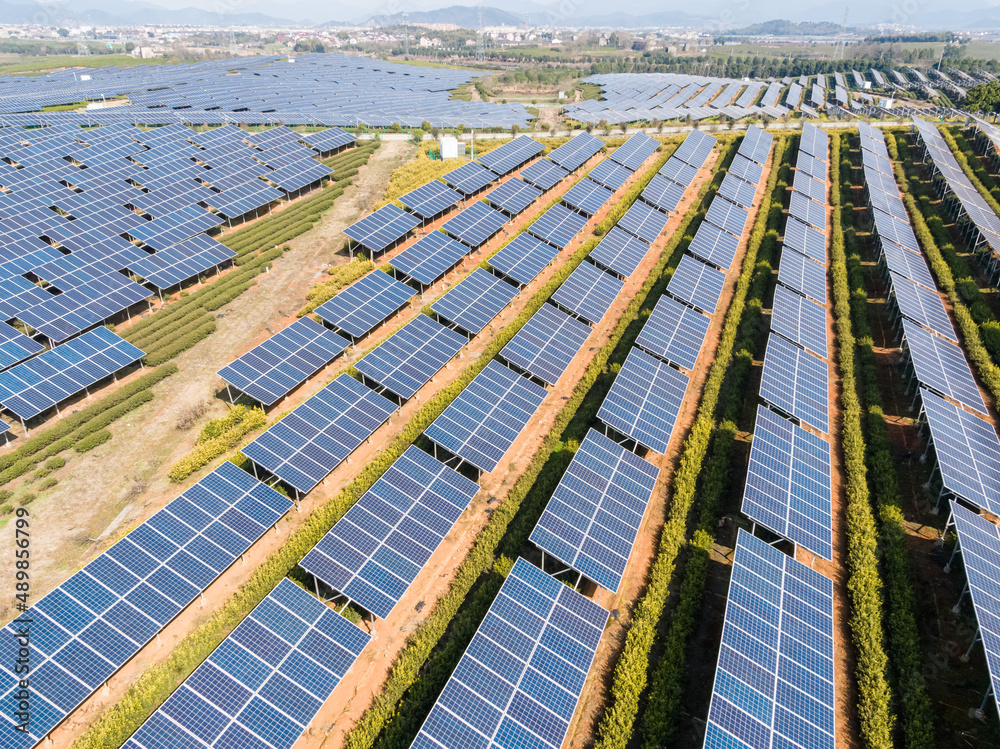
(316, 89)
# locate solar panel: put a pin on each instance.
(907, 264)
(804, 239)
(812, 166)
(727, 215)
(38, 384)
(306, 445)
(474, 302)
(546, 344)
(592, 520)
(475, 225)
(809, 187)
(375, 552)
(796, 382)
(485, 419)
(619, 252)
(511, 155)
(789, 486)
(431, 199)
(412, 356)
(182, 262)
(543, 174)
(522, 675)
(738, 191)
(674, 332)
(430, 257)
(695, 148)
(940, 366)
(589, 292)
(715, 246)
(284, 361)
(644, 221)
(743, 168)
(383, 228)
(610, 174)
(587, 196)
(366, 304)
(814, 141)
(803, 275)
(967, 451)
(633, 153)
(697, 284)
(922, 306)
(807, 210)
(523, 258)
(88, 627)
(665, 194)
(328, 140)
(575, 152)
(678, 171)
(558, 225)
(645, 400)
(799, 320)
(15, 346)
(469, 178)
(900, 232)
(514, 196)
(265, 683)
(774, 682)
(756, 144)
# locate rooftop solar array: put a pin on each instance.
(375, 552)
(789, 486)
(523, 258)
(967, 451)
(587, 196)
(383, 228)
(38, 384)
(696, 283)
(588, 293)
(412, 356)
(558, 225)
(366, 304)
(485, 419)
(430, 257)
(633, 153)
(619, 252)
(592, 519)
(674, 332)
(514, 196)
(522, 675)
(262, 687)
(284, 361)
(644, 221)
(774, 682)
(799, 320)
(475, 301)
(940, 366)
(546, 344)
(796, 382)
(511, 155)
(431, 199)
(92, 624)
(645, 400)
(475, 225)
(15, 346)
(575, 152)
(306, 445)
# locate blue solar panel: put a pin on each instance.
(38, 384)
(634, 152)
(375, 552)
(284, 361)
(383, 228)
(474, 302)
(738, 191)
(799, 320)
(809, 186)
(592, 520)
(15, 346)
(665, 194)
(521, 677)
(587, 196)
(610, 174)
(678, 171)
(774, 683)
(756, 144)
(484, 421)
(907, 264)
(743, 168)
(366, 304)
(698, 284)
(940, 366)
(306, 445)
(695, 148)
(328, 140)
(469, 178)
(715, 246)
(807, 210)
(182, 262)
(619, 252)
(543, 174)
(796, 382)
(546, 344)
(523, 258)
(645, 400)
(727, 215)
(803, 275)
(264, 684)
(789, 486)
(967, 451)
(589, 292)
(575, 152)
(411, 357)
(644, 221)
(431, 199)
(511, 155)
(805, 240)
(922, 306)
(558, 225)
(513, 196)
(430, 257)
(102, 615)
(674, 332)
(476, 224)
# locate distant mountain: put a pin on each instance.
(468, 17)
(122, 12)
(787, 28)
(461, 15)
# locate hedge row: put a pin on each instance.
(217, 438)
(973, 166)
(668, 684)
(67, 432)
(423, 666)
(979, 328)
(862, 407)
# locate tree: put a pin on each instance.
(129, 46)
(514, 129)
(63, 33)
(623, 126)
(395, 128)
(426, 126)
(984, 98)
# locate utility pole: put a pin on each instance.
(406, 31)
(481, 41)
(232, 43)
(840, 51)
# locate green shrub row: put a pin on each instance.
(862, 403)
(668, 684)
(89, 443)
(65, 433)
(973, 166)
(217, 438)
